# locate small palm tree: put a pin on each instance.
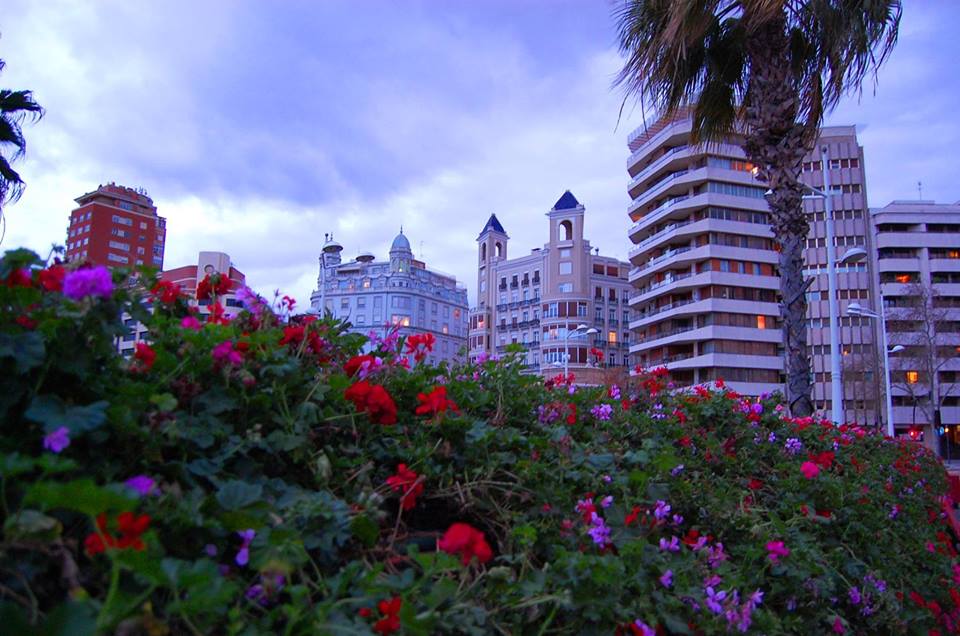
(768, 69)
(14, 107)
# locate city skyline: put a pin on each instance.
(409, 117)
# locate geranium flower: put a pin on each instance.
(165, 291)
(666, 579)
(599, 531)
(407, 481)
(420, 345)
(143, 358)
(631, 516)
(435, 402)
(51, 279)
(391, 616)
(191, 322)
(58, 440)
(373, 399)
(130, 526)
(224, 353)
(142, 484)
(809, 470)
(215, 285)
(468, 542)
(776, 550)
(89, 281)
(353, 364)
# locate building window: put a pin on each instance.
(761, 322)
(565, 252)
(143, 225)
(913, 377)
(117, 259)
(120, 246)
(566, 288)
(612, 337)
(403, 321)
(122, 220)
(566, 268)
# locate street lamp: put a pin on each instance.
(581, 330)
(854, 309)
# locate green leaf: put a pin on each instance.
(236, 494)
(70, 619)
(366, 530)
(31, 524)
(53, 413)
(26, 349)
(81, 495)
(165, 402)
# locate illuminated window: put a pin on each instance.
(401, 320)
(761, 322)
(446, 329)
(902, 278)
(366, 283)
(612, 337)
(913, 377)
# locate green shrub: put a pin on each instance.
(260, 476)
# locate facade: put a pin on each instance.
(538, 299)
(116, 226)
(375, 295)
(917, 248)
(706, 286)
(187, 278)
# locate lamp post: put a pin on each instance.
(581, 330)
(854, 309)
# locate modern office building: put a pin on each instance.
(539, 299)
(375, 295)
(187, 277)
(706, 286)
(918, 268)
(116, 226)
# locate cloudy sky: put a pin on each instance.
(259, 126)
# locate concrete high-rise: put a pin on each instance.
(539, 299)
(918, 254)
(116, 226)
(705, 275)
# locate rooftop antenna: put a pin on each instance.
(920, 189)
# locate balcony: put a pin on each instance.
(656, 164)
(669, 203)
(669, 280)
(654, 237)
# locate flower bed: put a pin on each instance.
(259, 476)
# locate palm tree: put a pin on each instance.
(769, 70)
(14, 107)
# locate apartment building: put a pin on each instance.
(116, 226)
(705, 278)
(918, 269)
(538, 300)
(376, 295)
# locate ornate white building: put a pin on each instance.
(375, 295)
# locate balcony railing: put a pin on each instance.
(660, 208)
(666, 281)
(653, 165)
(663, 257)
(662, 334)
(667, 307)
(654, 237)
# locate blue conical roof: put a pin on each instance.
(566, 202)
(492, 225)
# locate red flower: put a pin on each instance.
(143, 358)
(809, 470)
(719, 383)
(165, 291)
(420, 345)
(373, 399)
(823, 460)
(51, 279)
(754, 484)
(391, 616)
(20, 278)
(596, 353)
(407, 481)
(435, 402)
(353, 364)
(467, 541)
(215, 285)
(218, 315)
(131, 528)
(294, 337)
(572, 416)
(916, 598)
(631, 516)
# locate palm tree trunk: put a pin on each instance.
(776, 143)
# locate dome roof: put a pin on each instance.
(400, 243)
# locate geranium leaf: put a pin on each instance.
(27, 349)
(53, 413)
(82, 495)
(235, 494)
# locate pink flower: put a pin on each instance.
(809, 470)
(91, 281)
(776, 550)
(224, 353)
(190, 322)
(57, 440)
(143, 484)
(838, 627)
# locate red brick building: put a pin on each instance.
(116, 226)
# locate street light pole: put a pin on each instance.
(854, 309)
(836, 383)
(566, 344)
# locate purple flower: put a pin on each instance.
(756, 598)
(662, 511)
(895, 511)
(57, 440)
(91, 281)
(607, 479)
(191, 322)
(225, 353)
(677, 520)
(666, 579)
(714, 600)
(854, 595)
(757, 408)
(243, 554)
(793, 445)
(614, 392)
(602, 412)
(676, 470)
(645, 630)
(673, 545)
(143, 484)
(772, 437)
(600, 533)
(606, 502)
(210, 549)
